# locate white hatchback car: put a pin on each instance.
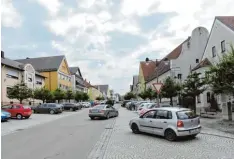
(170, 122)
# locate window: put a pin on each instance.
(213, 51)
(186, 115)
(15, 107)
(199, 98)
(39, 82)
(223, 48)
(29, 78)
(6, 107)
(208, 97)
(149, 114)
(162, 114)
(197, 60)
(12, 74)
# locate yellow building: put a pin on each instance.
(54, 68)
(93, 92)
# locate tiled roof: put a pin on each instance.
(162, 67)
(147, 68)
(87, 84)
(44, 64)
(203, 63)
(227, 20)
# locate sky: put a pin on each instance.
(105, 38)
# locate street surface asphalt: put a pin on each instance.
(73, 135)
(70, 137)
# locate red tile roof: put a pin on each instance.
(203, 63)
(147, 68)
(227, 20)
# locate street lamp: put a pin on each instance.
(166, 62)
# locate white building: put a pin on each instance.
(218, 44)
(77, 80)
(181, 59)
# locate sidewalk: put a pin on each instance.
(123, 144)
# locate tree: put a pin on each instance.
(59, 94)
(78, 96)
(170, 89)
(85, 96)
(69, 95)
(129, 96)
(42, 94)
(193, 86)
(20, 92)
(221, 76)
(100, 98)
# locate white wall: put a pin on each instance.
(218, 33)
(191, 52)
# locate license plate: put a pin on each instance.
(193, 131)
(95, 111)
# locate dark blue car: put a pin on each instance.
(5, 115)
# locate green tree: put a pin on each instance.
(20, 92)
(100, 98)
(69, 95)
(59, 94)
(193, 86)
(42, 94)
(78, 96)
(170, 89)
(129, 96)
(85, 96)
(221, 76)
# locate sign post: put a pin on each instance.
(158, 87)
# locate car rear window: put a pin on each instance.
(99, 107)
(186, 115)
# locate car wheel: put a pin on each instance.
(135, 128)
(170, 135)
(107, 116)
(52, 111)
(19, 116)
(92, 118)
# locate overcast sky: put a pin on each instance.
(105, 38)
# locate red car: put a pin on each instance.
(18, 110)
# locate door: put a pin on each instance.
(161, 121)
(145, 122)
(15, 109)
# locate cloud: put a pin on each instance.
(105, 38)
(10, 16)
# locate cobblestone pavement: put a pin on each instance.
(14, 125)
(123, 144)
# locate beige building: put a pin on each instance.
(13, 72)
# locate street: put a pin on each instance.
(75, 136)
(70, 137)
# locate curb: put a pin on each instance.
(210, 134)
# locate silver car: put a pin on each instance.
(103, 111)
(170, 122)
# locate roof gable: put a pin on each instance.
(227, 20)
(147, 68)
(203, 63)
(44, 64)
(74, 70)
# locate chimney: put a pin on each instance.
(2, 54)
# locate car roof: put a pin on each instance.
(174, 109)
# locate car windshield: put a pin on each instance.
(186, 115)
(99, 107)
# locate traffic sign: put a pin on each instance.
(158, 87)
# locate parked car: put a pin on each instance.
(103, 111)
(170, 122)
(86, 104)
(146, 107)
(124, 103)
(78, 105)
(70, 106)
(5, 115)
(18, 110)
(51, 108)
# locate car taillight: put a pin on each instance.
(180, 124)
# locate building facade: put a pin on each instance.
(13, 72)
(77, 80)
(54, 68)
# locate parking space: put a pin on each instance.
(14, 125)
